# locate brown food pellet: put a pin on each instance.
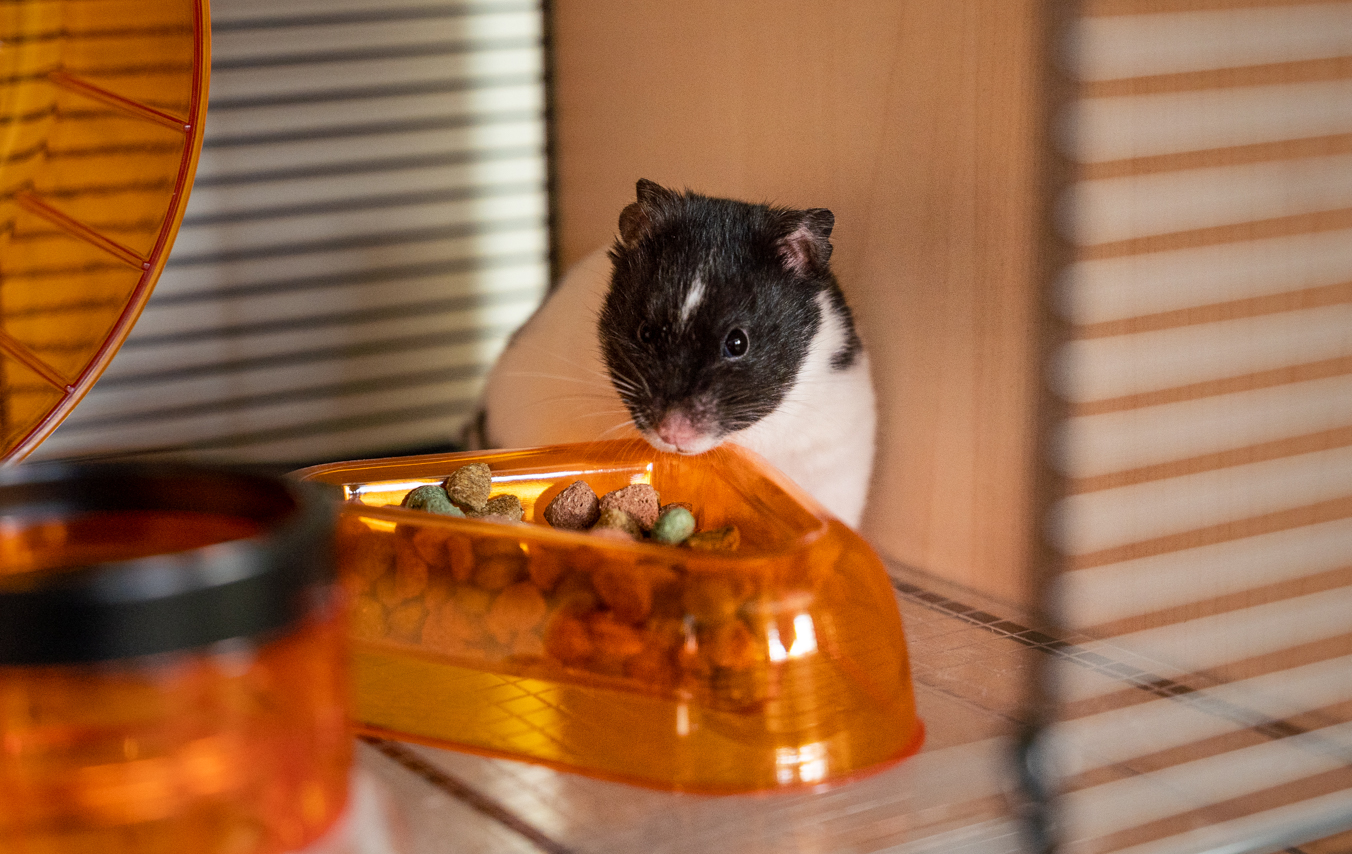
(613, 519)
(469, 486)
(519, 608)
(718, 540)
(503, 508)
(576, 508)
(639, 500)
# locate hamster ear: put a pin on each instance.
(805, 248)
(639, 218)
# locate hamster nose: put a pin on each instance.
(677, 429)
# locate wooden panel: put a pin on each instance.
(913, 122)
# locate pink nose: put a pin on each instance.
(677, 429)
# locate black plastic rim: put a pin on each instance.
(120, 609)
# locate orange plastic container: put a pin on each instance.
(172, 663)
(780, 664)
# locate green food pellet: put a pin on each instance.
(674, 524)
(469, 486)
(433, 499)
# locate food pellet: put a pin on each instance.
(576, 508)
(719, 540)
(615, 519)
(506, 508)
(674, 524)
(469, 486)
(433, 499)
(638, 500)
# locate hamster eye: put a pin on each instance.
(645, 334)
(736, 344)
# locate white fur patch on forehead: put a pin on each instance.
(693, 298)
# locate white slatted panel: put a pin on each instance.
(367, 225)
(1207, 526)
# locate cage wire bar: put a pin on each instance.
(1196, 485)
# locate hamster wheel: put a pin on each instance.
(101, 110)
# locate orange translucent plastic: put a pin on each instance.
(242, 749)
(101, 111)
(782, 663)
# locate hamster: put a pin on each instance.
(708, 321)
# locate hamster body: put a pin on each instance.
(708, 321)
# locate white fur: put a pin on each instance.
(693, 298)
(551, 386)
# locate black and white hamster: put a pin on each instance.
(708, 321)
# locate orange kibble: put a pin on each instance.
(499, 571)
(519, 608)
(528, 645)
(410, 571)
(472, 602)
(627, 590)
(447, 630)
(460, 557)
(613, 638)
(368, 618)
(567, 639)
(430, 544)
(363, 554)
(731, 644)
(406, 621)
(546, 568)
(711, 598)
(652, 667)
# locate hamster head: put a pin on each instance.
(712, 308)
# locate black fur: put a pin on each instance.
(762, 268)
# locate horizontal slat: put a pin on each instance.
(1091, 445)
(1108, 210)
(1121, 365)
(1184, 648)
(1131, 588)
(1102, 290)
(1120, 128)
(435, 63)
(331, 222)
(236, 44)
(1125, 803)
(515, 94)
(1125, 733)
(1096, 521)
(1104, 48)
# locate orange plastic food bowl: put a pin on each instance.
(782, 663)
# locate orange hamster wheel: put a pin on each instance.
(101, 111)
